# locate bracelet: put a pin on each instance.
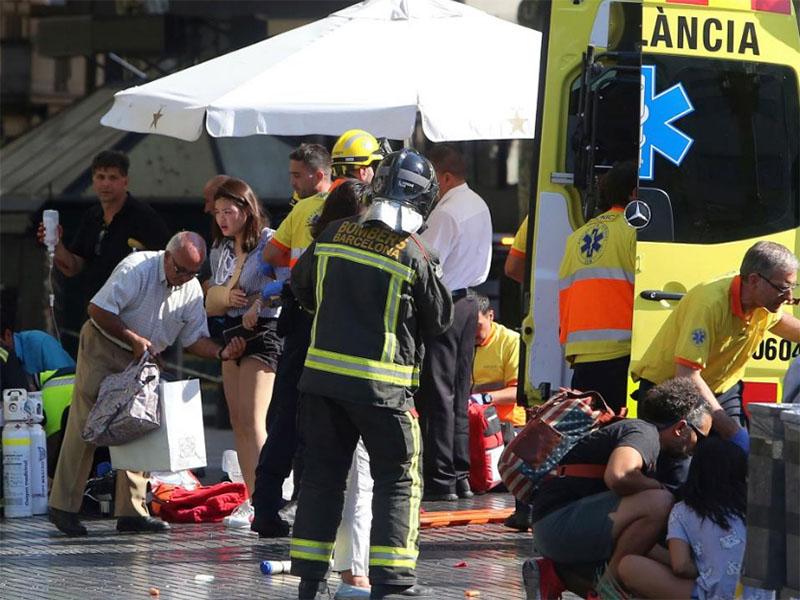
(219, 354)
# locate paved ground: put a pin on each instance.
(38, 562)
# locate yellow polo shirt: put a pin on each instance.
(495, 367)
(293, 235)
(708, 330)
(520, 240)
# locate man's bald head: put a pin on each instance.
(209, 189)
(188, 245)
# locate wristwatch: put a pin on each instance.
(219, 353)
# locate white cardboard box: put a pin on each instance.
(179, 443)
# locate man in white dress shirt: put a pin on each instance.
(150, 300)
(460, 230)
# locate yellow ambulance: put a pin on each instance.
(705, 93)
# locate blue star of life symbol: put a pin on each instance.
(592, 242)
(698, 337)
(657, 134)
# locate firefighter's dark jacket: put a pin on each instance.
(375, 295)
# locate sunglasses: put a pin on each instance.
(230, 196)
(98, 246)
(782, 290)
(700, 435)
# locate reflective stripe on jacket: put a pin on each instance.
(375, 295)
(595, 298)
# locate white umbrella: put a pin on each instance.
(370, 66)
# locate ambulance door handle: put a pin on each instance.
(658, 295)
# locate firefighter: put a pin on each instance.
(355, 155)
(595, 298)
(375, 291)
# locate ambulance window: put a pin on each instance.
(612, 119)
(741, 176)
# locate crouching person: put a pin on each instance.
(596, 516)
(150, 300)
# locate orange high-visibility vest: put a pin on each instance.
(595, 298)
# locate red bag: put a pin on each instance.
(555, 427)
(206, 504)
(485, 447)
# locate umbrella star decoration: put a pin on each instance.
(517, 123)
(156, 117)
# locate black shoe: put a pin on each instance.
(141, 525)
(66, 522)
(521, 521)
(397, 592)
(463, 490)
(439, 497)
(310, 588)
(270, 528)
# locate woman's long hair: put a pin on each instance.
(716, 487)
(347, 200)
(242, 195)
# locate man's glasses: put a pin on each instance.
(180, 271)
(782, 290)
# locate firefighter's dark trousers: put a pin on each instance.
(392, 439)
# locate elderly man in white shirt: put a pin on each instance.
(150, 300)
(460, 230)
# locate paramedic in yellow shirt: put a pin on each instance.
(515, 261)
(310, 178)
(717, 326)
(496, 364)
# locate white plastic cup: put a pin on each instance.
(50, 220)
(230, 465)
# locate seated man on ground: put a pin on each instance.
(580, 518)
(494, 381)
(496, 364)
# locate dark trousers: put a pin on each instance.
(673, 472)
(393, 442)
(609, 377)
(284, 445)
(443, 397)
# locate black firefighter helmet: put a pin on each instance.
(404, 191)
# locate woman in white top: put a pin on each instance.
(239, 233)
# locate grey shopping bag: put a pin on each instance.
(127, 405)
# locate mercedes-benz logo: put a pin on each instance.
(638, 214)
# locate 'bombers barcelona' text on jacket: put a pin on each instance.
(375, 294)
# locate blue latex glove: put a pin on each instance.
(267, 269)
(273, 288)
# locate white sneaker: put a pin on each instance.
(241, 516)
(351, 592)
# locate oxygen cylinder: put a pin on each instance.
(38, 454)
(17, 470)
